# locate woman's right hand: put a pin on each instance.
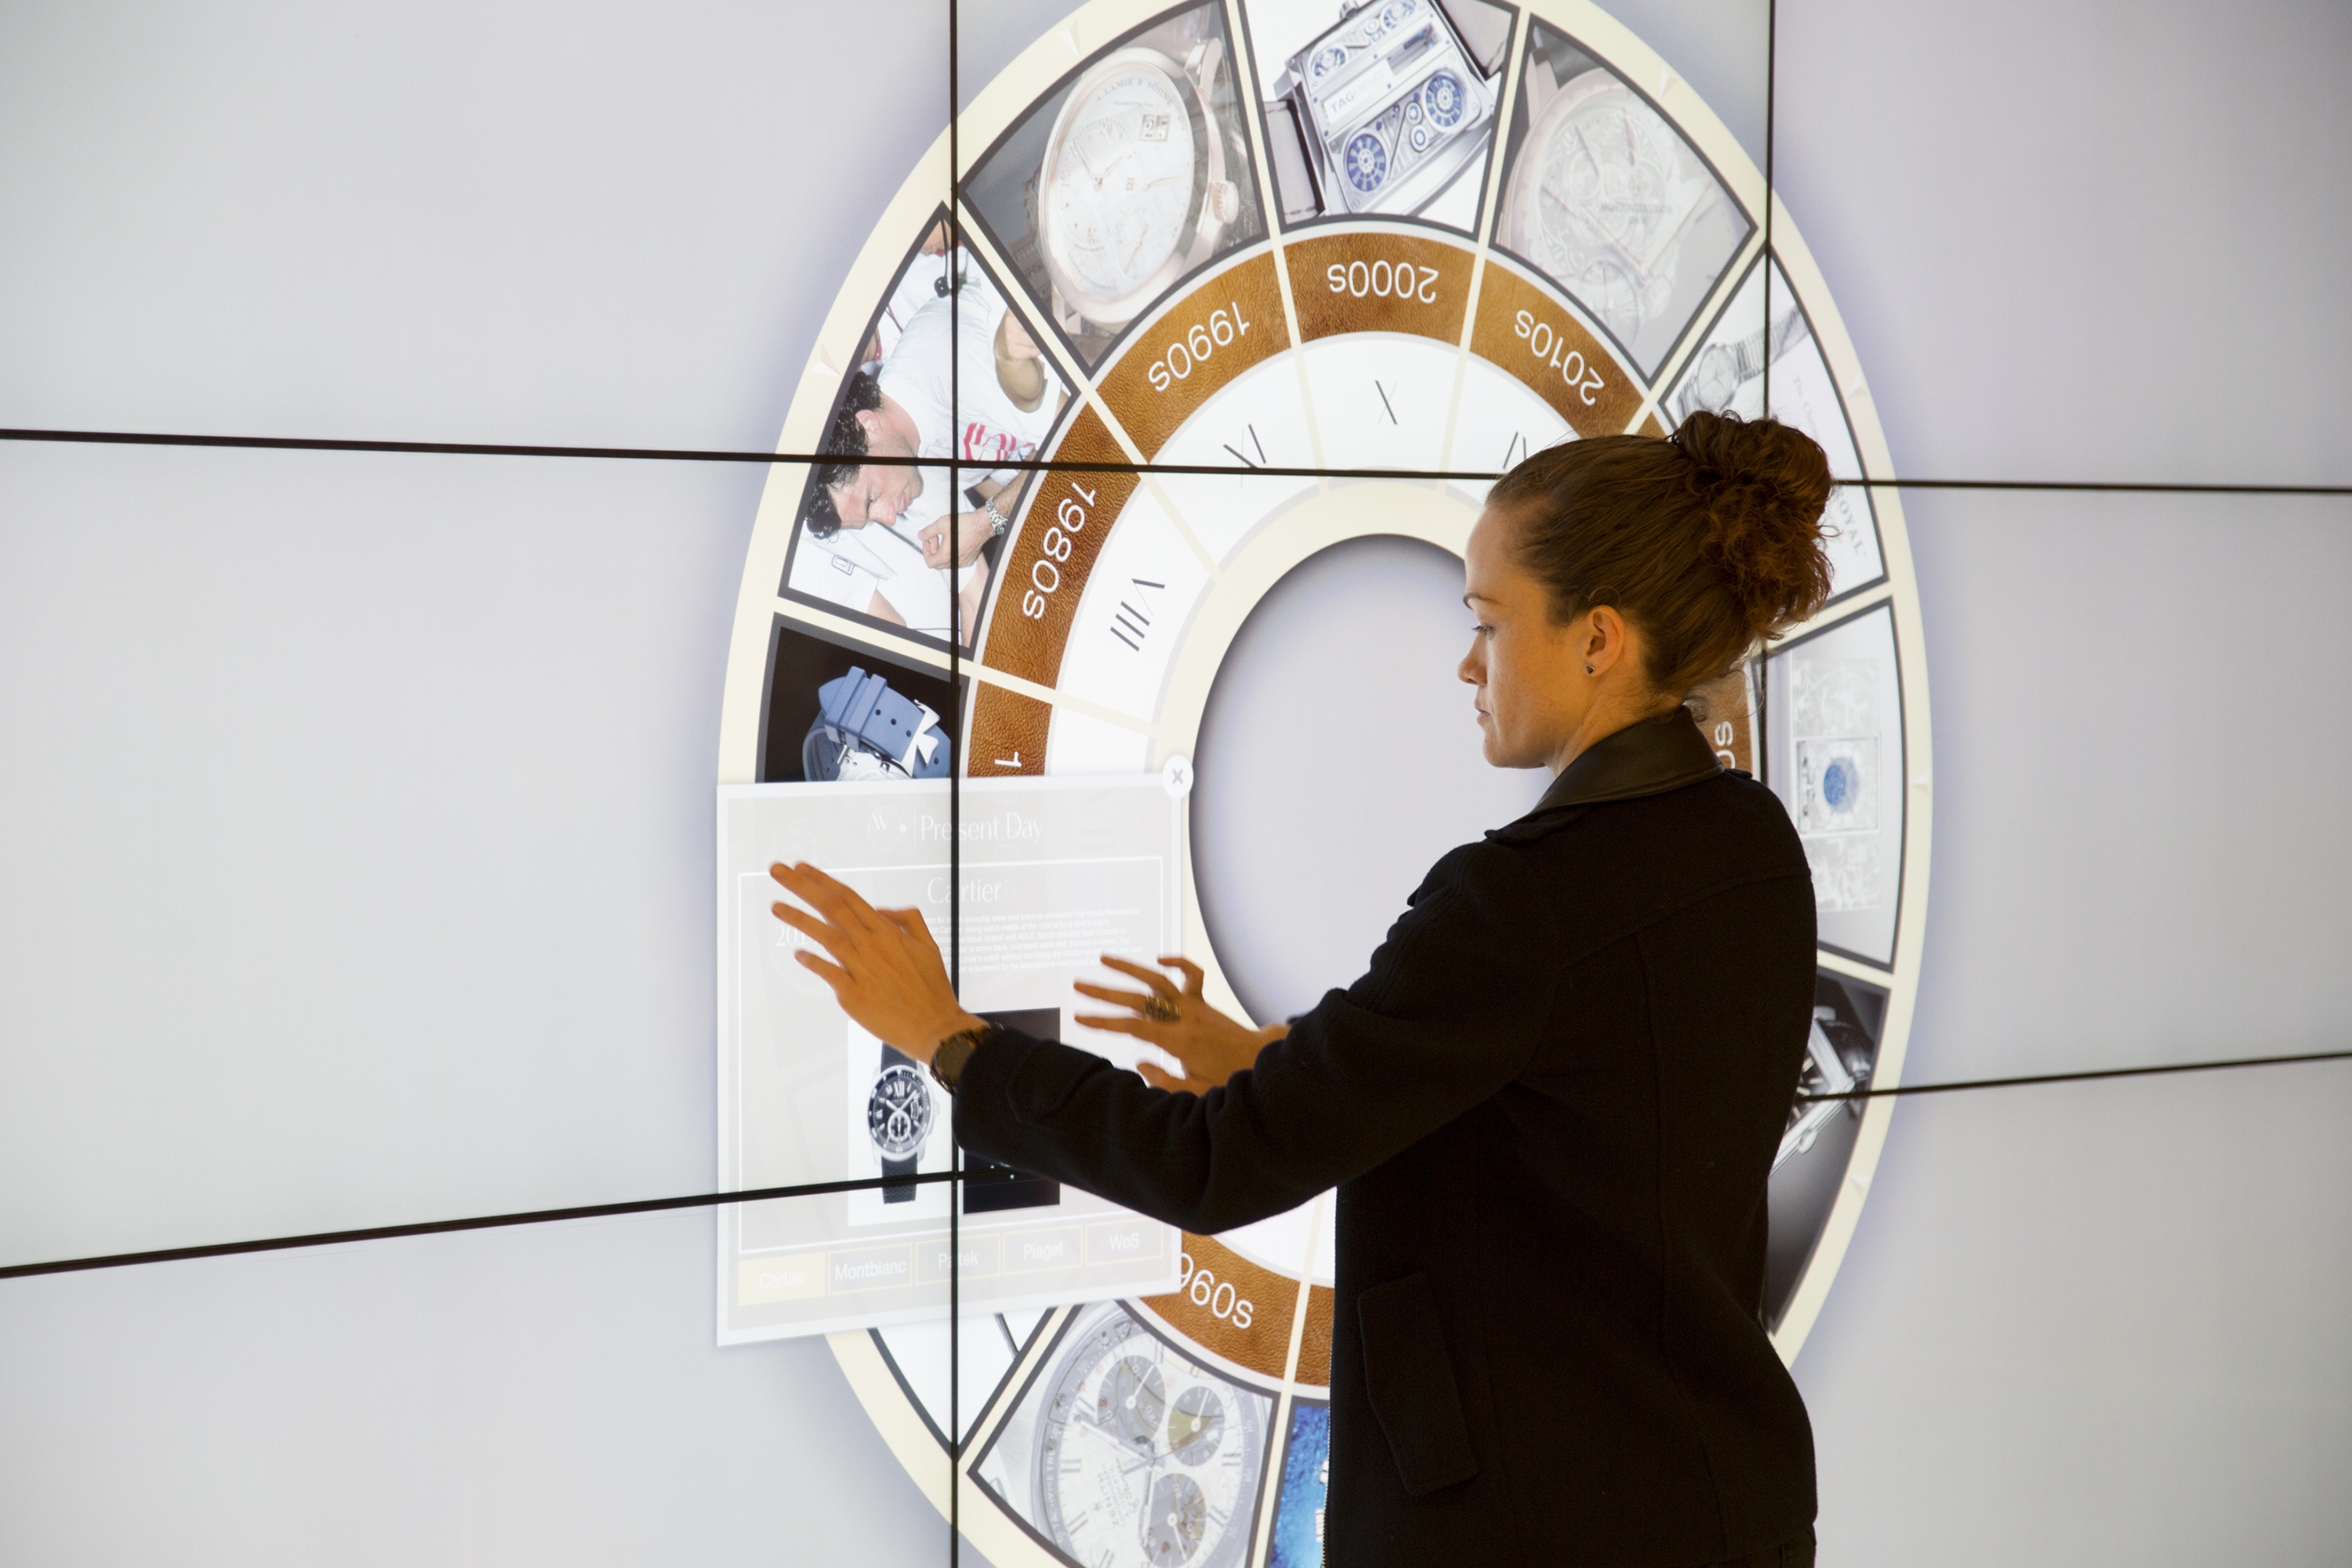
(1211, 1046)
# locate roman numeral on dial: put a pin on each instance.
(1131, 622)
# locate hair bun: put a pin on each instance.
(1763, 485)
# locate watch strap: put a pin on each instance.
(894, 1057)
(948, 1061)
(863, 707)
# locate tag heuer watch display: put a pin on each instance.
(1133, 192)
(898, 1119)
(863, 730)
(1385, 108)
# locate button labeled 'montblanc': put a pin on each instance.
(869, 1268)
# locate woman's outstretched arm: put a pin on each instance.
(1448, 1012)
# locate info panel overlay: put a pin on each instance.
(1052, 874)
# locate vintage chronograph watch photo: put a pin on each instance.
(1125, 1449)
(1242, 386)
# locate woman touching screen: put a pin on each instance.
(1550, 1103)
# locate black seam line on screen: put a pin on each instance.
(2077, 1077)
(478, 1222)
(869, 1183)
(955, 772)
(1771, 61)
(1047, 465)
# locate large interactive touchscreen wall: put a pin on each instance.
(1227, 285)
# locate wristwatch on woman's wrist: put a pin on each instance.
(946, 1062)
(997, 521)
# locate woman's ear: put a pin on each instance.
(1605, 639)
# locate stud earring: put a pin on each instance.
(1588, 669)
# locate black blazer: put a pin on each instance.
(1549, 1107)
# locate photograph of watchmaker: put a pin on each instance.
(962, 377)
(1123, 179)
(1552, 1104)
(1379, 108)
(920, 281)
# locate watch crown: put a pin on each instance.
(1224, 201)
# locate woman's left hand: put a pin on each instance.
(1211, 1047)
(885, 971)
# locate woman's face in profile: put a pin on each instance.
(1531, 691)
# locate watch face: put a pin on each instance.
(1616, 284)
(1127, 165)
(1613, 202)
(1142, 1455)
(898, 1111)
(1444, 95)
(1609, 203)
(1121, 184)
(1716, 380)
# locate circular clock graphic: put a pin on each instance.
(1169, 264)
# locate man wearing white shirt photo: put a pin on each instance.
(1008, 399)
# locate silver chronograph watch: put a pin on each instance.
(1133, 192)
(898, 1115)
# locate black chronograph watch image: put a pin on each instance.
(898, 1116)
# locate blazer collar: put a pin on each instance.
(1644, 759)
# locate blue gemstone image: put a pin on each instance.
(1367, 163)
(1446, 99)
(1840, 784)
(1305, 1475)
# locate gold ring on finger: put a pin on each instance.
(1161, 1009)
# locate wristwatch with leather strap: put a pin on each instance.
(948, 1061)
